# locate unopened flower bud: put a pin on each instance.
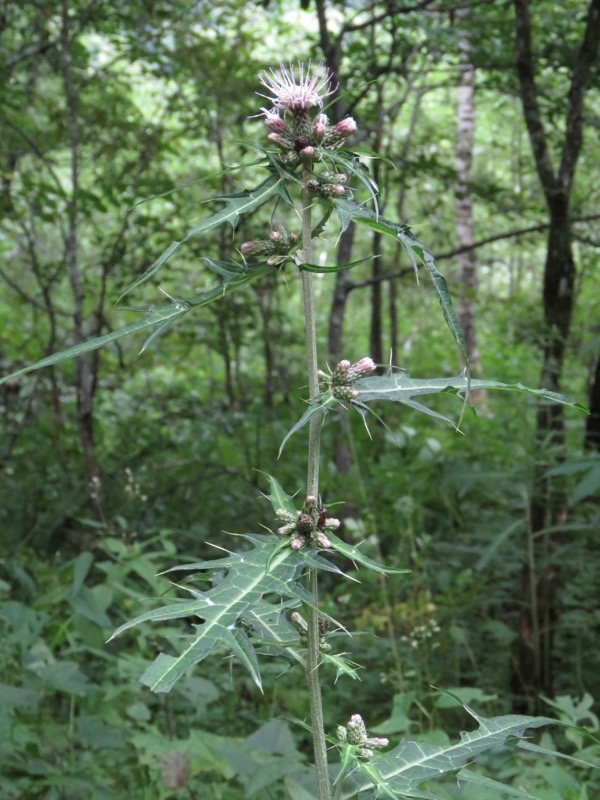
(321, 539)
(279, 140)
(337, 189)
(324, 625)
(285, 516)
(343, 365)
(291, 158)
(319, 130)
(299, 622)
(251, 247)
(363, 366)
(287, 529)
(297, 542)
(304, 523)
(357, 730)
(341, 733)
(345, 127)
(274, 122)
(275, 236)
(293, 238)
(307, 153)
(331, 524)
(377, 741)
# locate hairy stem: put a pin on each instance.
(312, 488)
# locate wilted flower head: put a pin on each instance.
(297, 89)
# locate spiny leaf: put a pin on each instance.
(322, 404)
(159, 319)
(161, 316)
(235, 206)
(348, 210)
(400, 772)
(346, 161)
(354, 554)
(399, 387)
(279, 498)
(225, 608)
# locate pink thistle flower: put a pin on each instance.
(343, 365)
(297, 90)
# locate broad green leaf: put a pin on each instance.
(158, 316)
(236, 205)
(226, 608)
(400, 772)
(348, 210)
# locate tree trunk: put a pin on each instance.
(532, 668)
(85, 366)
(592, 424)
(467, 272)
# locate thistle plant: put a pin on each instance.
(266, 598)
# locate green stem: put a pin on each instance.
(312, 488)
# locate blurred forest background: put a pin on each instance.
(116, 466)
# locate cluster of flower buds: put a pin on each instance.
(339, 382)
(310, 524)
(331, 184)
(302, 626)
(300, 141)
(277, 247)
(355, 733)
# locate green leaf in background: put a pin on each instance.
(400, 772)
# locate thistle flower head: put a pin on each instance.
(297, 89)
